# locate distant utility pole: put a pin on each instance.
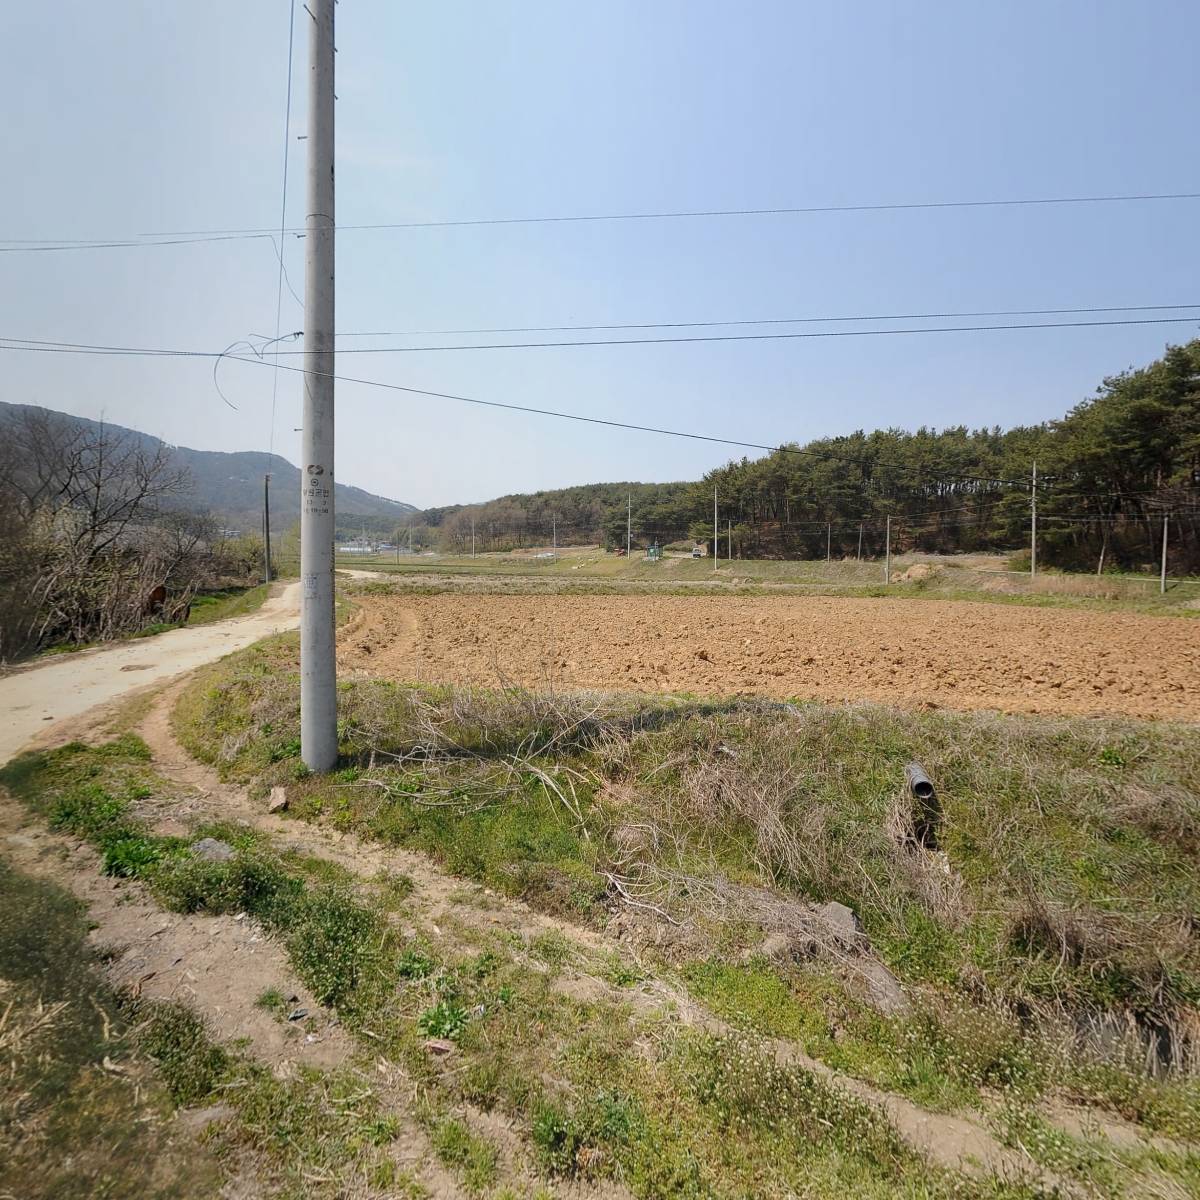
(828, 541)
(1033, 524)
(410, 549)
(267, 527)
(628, 524)
(472, 537)
(887, 556)
(554, 534)
(729, 532)
(1162, 575)
(318, 666)
(716, 531)
(860, 525)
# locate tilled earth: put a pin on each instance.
(950, 654)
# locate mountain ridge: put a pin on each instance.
(229, 483)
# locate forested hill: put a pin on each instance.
(230, 485)
(588, 512)
(1108, 472)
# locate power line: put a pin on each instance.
(766, 337)
(603, 421)
(131, 243)
(80, 348)
(287, 129)
(919, 316)
(178, 237)
(50, 347)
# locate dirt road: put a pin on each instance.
(70, 685)
(951, 654)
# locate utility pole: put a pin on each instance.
(410, 549)
(628, 524)
(887, 558)
(554, 534)
(716, 531)
(267, 527)
(729, 533)
(472, 537)
(828, 541)
(860, 541)
(1033, 524)
(1162, 576)
(318, 666)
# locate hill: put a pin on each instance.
(230, 484)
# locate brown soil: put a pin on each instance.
(941, 653)
(219, 965)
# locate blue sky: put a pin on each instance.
(140, 117)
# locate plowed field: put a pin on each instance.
(913, 652)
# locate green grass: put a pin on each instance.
(232, 602)
(473, 1157)
(595, 1090)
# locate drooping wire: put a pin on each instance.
(918, 316)
(792, 335)
(178, 237)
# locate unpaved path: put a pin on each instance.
(72, 684)
(951, 654)
(218, 964)
(63, 688)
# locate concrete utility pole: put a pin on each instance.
(887, 556)
(729, 534)
(1033, 524)
(410, 549)
(318, 666)
(628, 524)
(472, 537)
(1162, 576)
(716, 532)
(554, 535)
(860, 541)
(828, 541)
(267, 527)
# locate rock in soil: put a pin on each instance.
(212, 850)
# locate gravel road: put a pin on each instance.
(34, 697)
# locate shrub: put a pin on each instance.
(338, 947)
(178, 1040)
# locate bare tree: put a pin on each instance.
(88, 531)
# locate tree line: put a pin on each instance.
(1109, 471)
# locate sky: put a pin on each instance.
(142, 117)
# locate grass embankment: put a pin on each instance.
(232, 602)
(208, 607)
(594, 1090)
(1045, 932)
